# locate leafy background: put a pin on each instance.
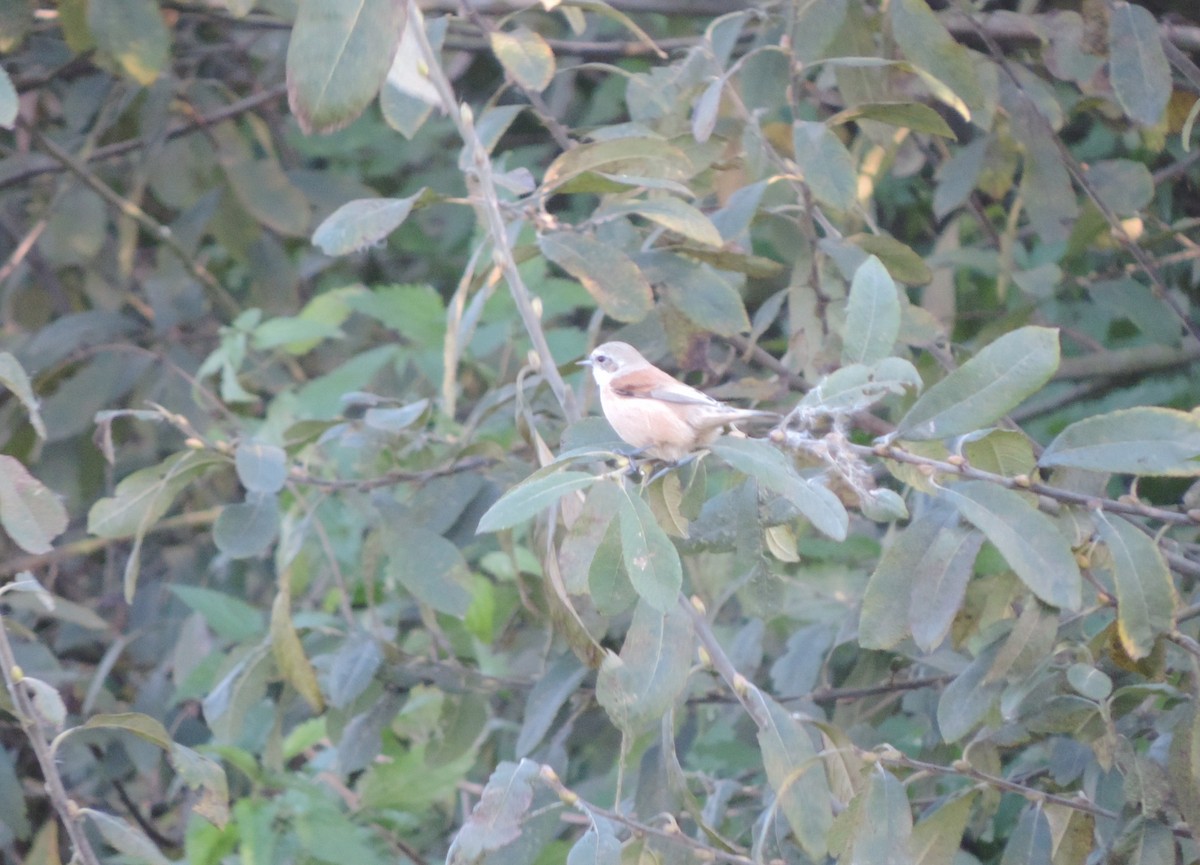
(317, 551)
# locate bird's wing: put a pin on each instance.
(673, 392)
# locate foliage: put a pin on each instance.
(317, 555)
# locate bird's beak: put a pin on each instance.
(587, 361)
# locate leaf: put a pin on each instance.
(708, 298)
(289, 654)
(926, 42)
(549, 692)
(1124, 185)
(125, 838)
(338, 57)
(617, 284)
(1002, 452)
(229, 617)
(872, 315)
(1029, 541)
(937, 838)
(31, 514)
(497, 817)
(140, 725)
(986, 387)
(797, 776)
(207, 776)
(910, 115)
(14, 377)
(525, 56)
(883, 835)
(266, 192)
(14, 804)
(826, 164)
(634, 157)
(650, 558)
(1183, 766)
(855, 387)
(1030, 842)
(248, 528)
(1090, 682)
(8, 101)
(358, 224)
(969, 697)
(637, 687)
(142, 498)
(599, 845)
(353, 668)
(1145, 590)
(1138, 67)
(133, 33)
(902, 261)
(429, 566)
(1140, 441)
(262, 468)
(669, 212)
(530, 497)
(774, 471)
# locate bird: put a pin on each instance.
(662, 417)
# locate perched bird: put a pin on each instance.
(656, 413)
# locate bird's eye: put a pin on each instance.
(602, 359)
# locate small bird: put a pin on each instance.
(659, 415)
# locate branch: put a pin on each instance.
(488, 202)
(68, 811)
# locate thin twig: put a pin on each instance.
(488, 201)
(68, 811)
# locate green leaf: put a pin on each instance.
(1030, 842)
(205, 775)
(650, 558)
(826, 164)
(872, 315)
(125, 838)
(1139, 441)
(142, 726)
(1145, 590)
(797, 776)
(640, 685)
(14, 804)
(855, 387)
(924, 572)
(288, 652)
(986, 387)
(353, 668)
(1029, 540)
(1124, 185)
(927, 43)
(937, 838)
(530, 497)
(632, 157)
(429, 566)
(262, 468)
(902, 261)
(8, 101)
(142, 499)
(263, 188)
(774, 471)
(338, 57)
(910, 115)
(1138, 67)
(499, 815)
(1183, 765)
(969, 697)
(599, 845)
(14, 377)
(525, 56)
(133, 33)
(549, 693)
(1002, 452)
(228, 616)
(358, 224)
(31, 514)
(669, 212)
(1090, 682)
(247, 528)
(706, 297)
(617, 284)
(883, 835)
